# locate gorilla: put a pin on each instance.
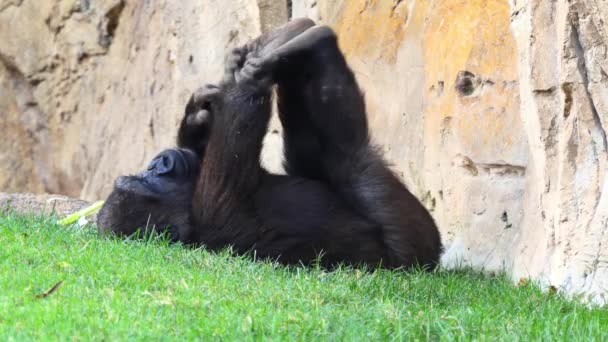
(338, 203)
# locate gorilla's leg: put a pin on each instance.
(320, 105)
(222, 209)
(326, 137)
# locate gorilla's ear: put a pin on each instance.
(175, 163)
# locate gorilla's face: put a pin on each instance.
(158, 198)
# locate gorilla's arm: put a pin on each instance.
(195, 128)
(222, 207)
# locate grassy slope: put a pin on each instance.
(122, 289)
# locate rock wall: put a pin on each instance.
(494, 113)
(93, 88)
(563, 71)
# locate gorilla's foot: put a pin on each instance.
(304, 44)
(270, 41)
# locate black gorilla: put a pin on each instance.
(339, 199)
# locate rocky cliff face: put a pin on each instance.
(94, 88)
(494, 113)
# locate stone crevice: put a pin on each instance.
(486, 169)
(109, 24)
(578, 47)
(8, 4)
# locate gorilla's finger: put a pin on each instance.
(203, 96)
(200, 117)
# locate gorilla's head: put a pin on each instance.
(158, 198)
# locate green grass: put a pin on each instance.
(128, 290)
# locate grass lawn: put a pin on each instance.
(117, 290)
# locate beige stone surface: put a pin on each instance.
(563, 237)
(92, 89)
(493, 112)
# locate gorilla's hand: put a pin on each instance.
(234, 71)
(233, 63)
(195, 128)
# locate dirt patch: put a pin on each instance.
(40, 204)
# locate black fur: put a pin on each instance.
(339, 198)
